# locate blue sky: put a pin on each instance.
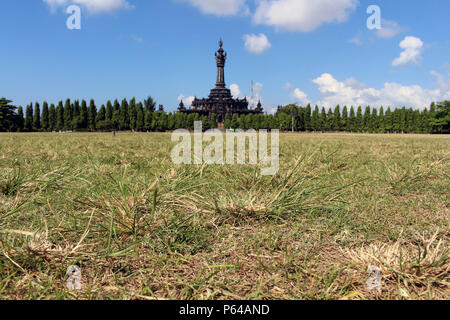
(296, 51)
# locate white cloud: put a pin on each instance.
(300, 96)
(353, 93)
(412, 50)
(186, 100)
(257, 44)
(220, 7)
(93, 6)
(235, 90)
(443, 83)
(302, 15)
(389, 29)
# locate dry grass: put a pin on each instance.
(141, 228)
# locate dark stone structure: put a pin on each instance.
(220, 100)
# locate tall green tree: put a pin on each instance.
(308, 117)
(45, 119)
(329, 123)
(323, 120)
(381, 122)
(29, 118)
(60, 116)
(388, 121)
(344, 119)
(109, 111)
(52, 118)
(148, 120)
(351, 124)
(234, 122)
(403, 120)
(20, 119)
(8, 117)
(68, 115)
(337, 118)
(84, 114)
(367, 119)
(315, 119)
(140, 117)
(37, 117)
(374, 126)
(440, 122)
(150, 104)
(92, 116)
(359, 120)
(101, 115)
(124, 119)
(133, 114)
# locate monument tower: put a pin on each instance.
(220, 101)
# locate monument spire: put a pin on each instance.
(221, 58)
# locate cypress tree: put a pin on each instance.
(133, 114)
(29, 118)
(381, 122)
(425, 121)
(20, 119)
(83, 118)
(374, 121)
(109, 111)
(323, 120)
(410, 120)
(37, 117)
(359, 120)
(234, 122)
(403, 120)
(150, 104)
(101, 115)
(45, 117)
(60, 116)
(92, 116)
(416, 121)
(76, 112)
(351, 127)
(242, 124)
(8, 116)
(395, 121)
(337, 118)
(308, 117)
(52, 118)
(315, 125)
(148, 120)
(389, 121)
(329, 123)
(344, 120)
(140, 117)
(68, 115)
(124, 115)
(367, 119)
(116, 115)
(227, 122)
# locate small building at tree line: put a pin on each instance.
(220, 101)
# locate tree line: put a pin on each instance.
(143, 116)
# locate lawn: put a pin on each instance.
(140, 227)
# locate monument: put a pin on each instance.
(220, 101)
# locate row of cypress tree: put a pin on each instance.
(143, 116)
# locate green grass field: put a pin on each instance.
(143, 228)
